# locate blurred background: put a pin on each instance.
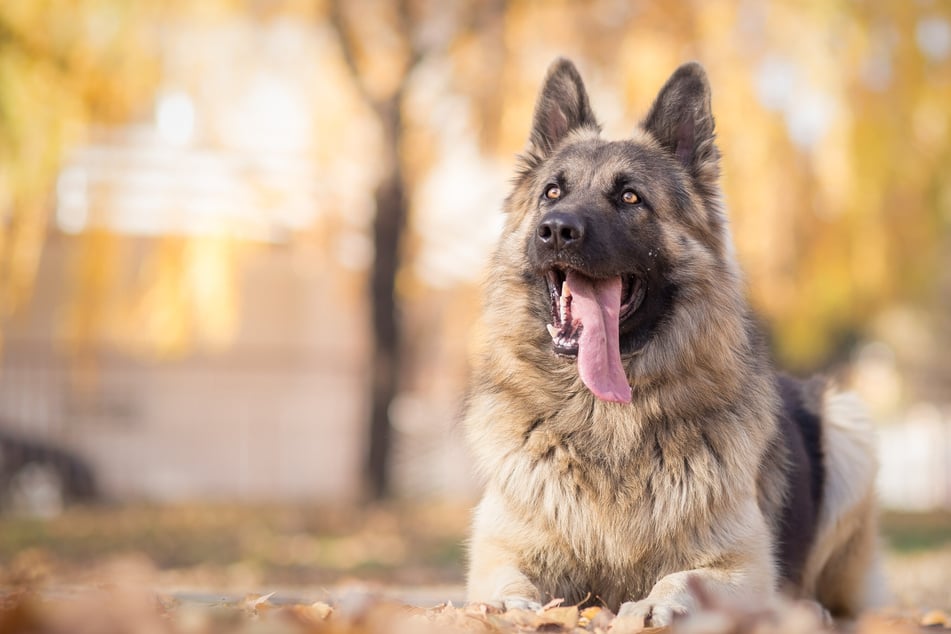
(242, 241)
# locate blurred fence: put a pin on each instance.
(248, 423)
(255, 424)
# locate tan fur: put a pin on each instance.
(631, 502)
(843, 571)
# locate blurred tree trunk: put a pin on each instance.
(389, 221)
(388, 224)
(392, 195)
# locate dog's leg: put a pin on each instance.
(675, 595)
(670, 597)
(746, 571)
(503, 586)
(494, 575)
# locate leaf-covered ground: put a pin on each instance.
(198, 569)
(129, 603)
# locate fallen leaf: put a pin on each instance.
(632, 624)
(602, 620)
(522, 618)
(877, 624)
(588, 614)
(308, 615)
(482, 609)
(256, 605)
(562, 617)
(322, 609)
(936, 618)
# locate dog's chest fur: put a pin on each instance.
(623, 500)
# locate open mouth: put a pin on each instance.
(586, 316)
(565, 329)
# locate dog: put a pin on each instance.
(632, 434)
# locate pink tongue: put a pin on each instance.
(596, 304)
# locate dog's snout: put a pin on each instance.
(559, 230)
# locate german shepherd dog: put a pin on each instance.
(635, 441)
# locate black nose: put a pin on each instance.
(559, 230)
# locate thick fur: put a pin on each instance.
(718, 472)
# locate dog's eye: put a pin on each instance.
(630, 197)
(553, 192)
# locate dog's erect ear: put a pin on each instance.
(562, 106)
(683, 123)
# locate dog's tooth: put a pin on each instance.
(552, 331)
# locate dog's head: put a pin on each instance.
(614, 234)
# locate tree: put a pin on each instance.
(382, 49)
(63, 68)
(385, 99)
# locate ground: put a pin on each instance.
(211, 568)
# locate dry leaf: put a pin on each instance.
(321, 609)
(257, 604)
(602, 620)
(470, 619)
(308, 615)
(522, 618)
(482, 609)
(877, 624)
(563, 617)
(936, 618)
(632, 624)
(588, 614)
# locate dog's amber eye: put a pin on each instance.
(630, 197)
(553, 192)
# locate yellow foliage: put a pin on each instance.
(63, 65)
(837, 184)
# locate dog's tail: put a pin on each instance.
(844, 569)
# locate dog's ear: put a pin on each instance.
(562, 106)
(682, 121)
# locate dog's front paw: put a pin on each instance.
(520, 603)
(638, 615)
